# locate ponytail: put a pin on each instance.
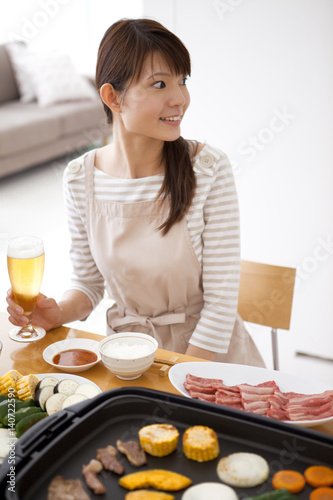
(179, 181)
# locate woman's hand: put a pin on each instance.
(47, 313)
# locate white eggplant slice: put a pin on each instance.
(66, 386)
(42, 395)
(46, 381)
(88, 390)
(54, 403)
(73, 399)
(243, 470)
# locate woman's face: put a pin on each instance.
(154, 105)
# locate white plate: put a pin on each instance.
(63, 345)
(232, 374)
(70, 376)
(62, 376)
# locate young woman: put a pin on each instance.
(153, 217)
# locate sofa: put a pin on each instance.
(33, 132)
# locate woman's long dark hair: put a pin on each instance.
(121, 56)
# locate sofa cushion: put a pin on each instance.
(19, 56)
(76, 116)
(8, 87)
(25, 126)
(55, 80)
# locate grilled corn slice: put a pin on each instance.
(8, 380)
(25, 387)
(200, 443)
(159, 440)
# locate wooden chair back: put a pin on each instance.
(266, 296)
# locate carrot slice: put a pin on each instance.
(291, 480)
(322, 493)
(319, 475)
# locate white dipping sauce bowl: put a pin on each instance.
(64, 345)
(129, 354)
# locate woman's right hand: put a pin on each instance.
(47, 313)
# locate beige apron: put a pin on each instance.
(155, 280)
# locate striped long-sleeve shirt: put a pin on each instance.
(213, 224)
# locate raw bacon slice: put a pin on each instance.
(229, 389)
(199, 388)
(310, 400)
(264, 388)
(259, 407)
(204, 397)
(309, 406)
(255, 398)
(309, 413)
(276, 413)
(309, 416)
(263, 399)
(229, 396)
(235, 406)
(196, 393)
(252, 396)
(278, 399)
(296, 395)
(212, 382)
(223, 399)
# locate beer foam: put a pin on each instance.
(25, 247)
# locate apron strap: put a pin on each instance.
(89, 172)
(89, 162)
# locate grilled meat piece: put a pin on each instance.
(90, 472)
(133, 451)
(66, 489)
(108, 458)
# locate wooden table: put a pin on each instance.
(27, 358)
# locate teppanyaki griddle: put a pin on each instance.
(63, 442)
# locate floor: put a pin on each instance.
(31, 203)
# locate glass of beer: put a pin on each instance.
(25, 260)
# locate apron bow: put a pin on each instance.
(151, 321)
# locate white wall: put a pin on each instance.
(75, 26)
(262, 90)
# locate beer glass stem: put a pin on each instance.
(27, 331)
